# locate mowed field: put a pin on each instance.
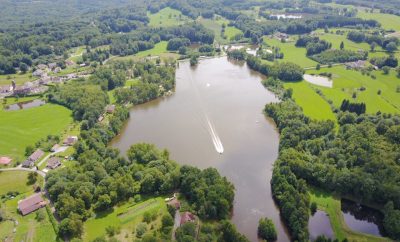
(346, 82)
(25, 127)
(167, 17)
(19, 78)
(291, 52)
(313, 105)
(388, 21)
(215, 25)
(28, 228)
(125, 217)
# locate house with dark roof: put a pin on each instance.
(33, 158)
(53, 163)
(71, 140)
(110, 108)
(31, 204)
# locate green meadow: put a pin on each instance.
(388, 21)
(19, 78)
(346, 82)
(215, 25)
(313, 105)
(28, 228)
(332, 206)
(25, 127)
(291, 52)
(167, 17)
(125, 217)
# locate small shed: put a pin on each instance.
(4, 160)
(31, 204)
(110, 108)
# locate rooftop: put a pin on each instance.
(31, 203)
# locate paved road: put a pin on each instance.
(60, 149)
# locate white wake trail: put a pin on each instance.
(211, 130)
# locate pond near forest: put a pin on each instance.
(362, 219)
(215, 118)
(25, 105)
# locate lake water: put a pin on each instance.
(319, 224)
(215, 119)
(25, 105)
(362, 219)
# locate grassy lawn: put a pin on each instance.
(215, 25)
(291, 52)
(160, 49)
(19, 78)
(331, 205)
(25, 127)
(167, 17)
(76, 53)
(125, 217)
(28, 228)
(312, 104)
(388, 21)
(346, 82)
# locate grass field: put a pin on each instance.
(346, 82)
(313, 105)
(28, 228)
(291, 52)
(215, 25)
(125, 217)
(25, 127)
(19, 78)
(76, 53)
(331, 205)
(388, 21)
(160, 49)
(167, 17)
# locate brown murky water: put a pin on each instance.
(217, 108)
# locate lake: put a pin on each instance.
(319, 224)
(215, 119)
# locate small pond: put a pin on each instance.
(319, 224)
(25, 105)
(318, 80)
(362, 219)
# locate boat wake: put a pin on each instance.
(209, 125)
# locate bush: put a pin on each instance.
(266, 230)
(313, 208)
(141, 230)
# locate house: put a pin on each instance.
(187, 217)
(31, 204)
(71, 140)
(42, 66)
(52, 65)
(4, 160)
(110, 108)
(69, 63)
(53, 163)
(356, 64)
(55, 148)
(35, 156)
(38, 73)
(57, 70)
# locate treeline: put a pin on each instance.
(152, 81)
(387, 43)
(285, 71)
(313, 44)
(390, 61)
(87, 102)
(348, 163)
(339, 56)
(358, 108)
